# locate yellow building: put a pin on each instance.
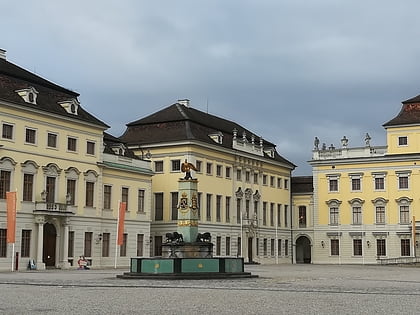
(68, 175)
(244, 184)
(365, 200)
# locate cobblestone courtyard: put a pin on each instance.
(280, 289)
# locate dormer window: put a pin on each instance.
(29, 95)
(217, 137)
(71, 106)
(119, 149)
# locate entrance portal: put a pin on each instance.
(303, 250)
(250, 258)
(50, 236)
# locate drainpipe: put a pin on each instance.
(291, 216)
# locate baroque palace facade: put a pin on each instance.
(244, 184)
(366, 198)
(69, 176)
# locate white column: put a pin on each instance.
(40, 220)
(65, 258)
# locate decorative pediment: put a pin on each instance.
(239, 193)
(29, 95)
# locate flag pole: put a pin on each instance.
(116, 236)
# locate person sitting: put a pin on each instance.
(83, 263)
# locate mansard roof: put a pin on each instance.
(302, 184)
(14, 78)
(408, 115)
(179, 122)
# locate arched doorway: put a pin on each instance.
(50, 236)
(303, 250)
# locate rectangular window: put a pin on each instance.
(209, 168)
(140, 244)
(71, 244)
(380, 247)
(227, 207)
(71, 191)
(50, 189)
(175, 165)
(272, 214)
(208, 207)
(198, 166)
(357, 247)
(264, 179)
(107, 196)
(379, 183)
(272, 181)
(247, 176)
(257, 249)
(227, 172)
(174, 205)
(90, 147)
(52, 140)
(219, 170)
(159, 166)
(286, 184)
(405, 247)
(123, 247)
(402, 141)
(265, 247)
(30, 136)
(278, 214)
(158, 245)
(264, 213)
(380, 215)
(4, 183)
(7, 131)
(286, 247)
(28, 187)
(333, 216)
(3, 243)
(25, 245)
(87, 251)
(357, 215)
(272, 243)
(403, 182)
(158, 206)
(106, 241)
(124, 196)
(239, 246)
(199, 203)
(90, 187)
(140, 201)
(279, 182)
(279, 247)
(71, 144)
(238, 174)
(302, 216)
(355, 184)
(238, 210)
(218, 245)
(333, 184)
(218, 208)
(247, 209)
(286, 208)
(256, 178)
(227, 246)
(404, 214)
(335, 247)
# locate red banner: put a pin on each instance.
(121, 218)
(11, 216)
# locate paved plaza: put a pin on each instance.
(280, 289)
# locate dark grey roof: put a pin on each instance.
(408, 115)
(13, 77)
(178, 122)
(302, 184)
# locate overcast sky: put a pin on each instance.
(288, 70)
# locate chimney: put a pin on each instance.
(2, 54)
(185, 102)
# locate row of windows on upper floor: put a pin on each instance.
(271, 212)
(31, 138)
(378, 183)
(379, 211)
(358, 247)
(240, 174)
(50, 193)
